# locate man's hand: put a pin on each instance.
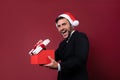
(53, 64)
(40, 41)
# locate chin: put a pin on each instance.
(65, 37)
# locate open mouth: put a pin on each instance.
(63, 32)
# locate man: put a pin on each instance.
(71, 55)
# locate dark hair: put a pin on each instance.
(57, 19)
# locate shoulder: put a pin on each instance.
(80, 34)
(62, 43)
(80, 37)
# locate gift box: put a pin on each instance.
(42, 57)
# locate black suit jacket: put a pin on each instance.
(73, 56)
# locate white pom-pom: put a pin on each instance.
(75, 23)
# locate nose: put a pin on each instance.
(61, 28)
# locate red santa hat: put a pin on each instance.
(70, 18)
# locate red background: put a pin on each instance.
(24, 22)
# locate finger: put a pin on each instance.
(51, 59)
(48, 65)
(39, 41)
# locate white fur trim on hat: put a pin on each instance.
(70, 18)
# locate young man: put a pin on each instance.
(72, 53)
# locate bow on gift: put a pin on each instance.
(39, 46)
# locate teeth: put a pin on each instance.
(63, 32)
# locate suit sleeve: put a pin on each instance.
(81, 54)
(58, 51)
(57, 57)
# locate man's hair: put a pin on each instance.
(57, 19)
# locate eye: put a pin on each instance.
(58, 25)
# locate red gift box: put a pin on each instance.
(42, 57)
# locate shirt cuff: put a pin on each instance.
(59, 67)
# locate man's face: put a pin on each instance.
(64, 27)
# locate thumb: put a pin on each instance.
(51, 59)
(39, 41)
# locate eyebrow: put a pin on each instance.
(62, 24)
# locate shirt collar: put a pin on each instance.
(70, 36)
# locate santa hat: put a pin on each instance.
(70, 18)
